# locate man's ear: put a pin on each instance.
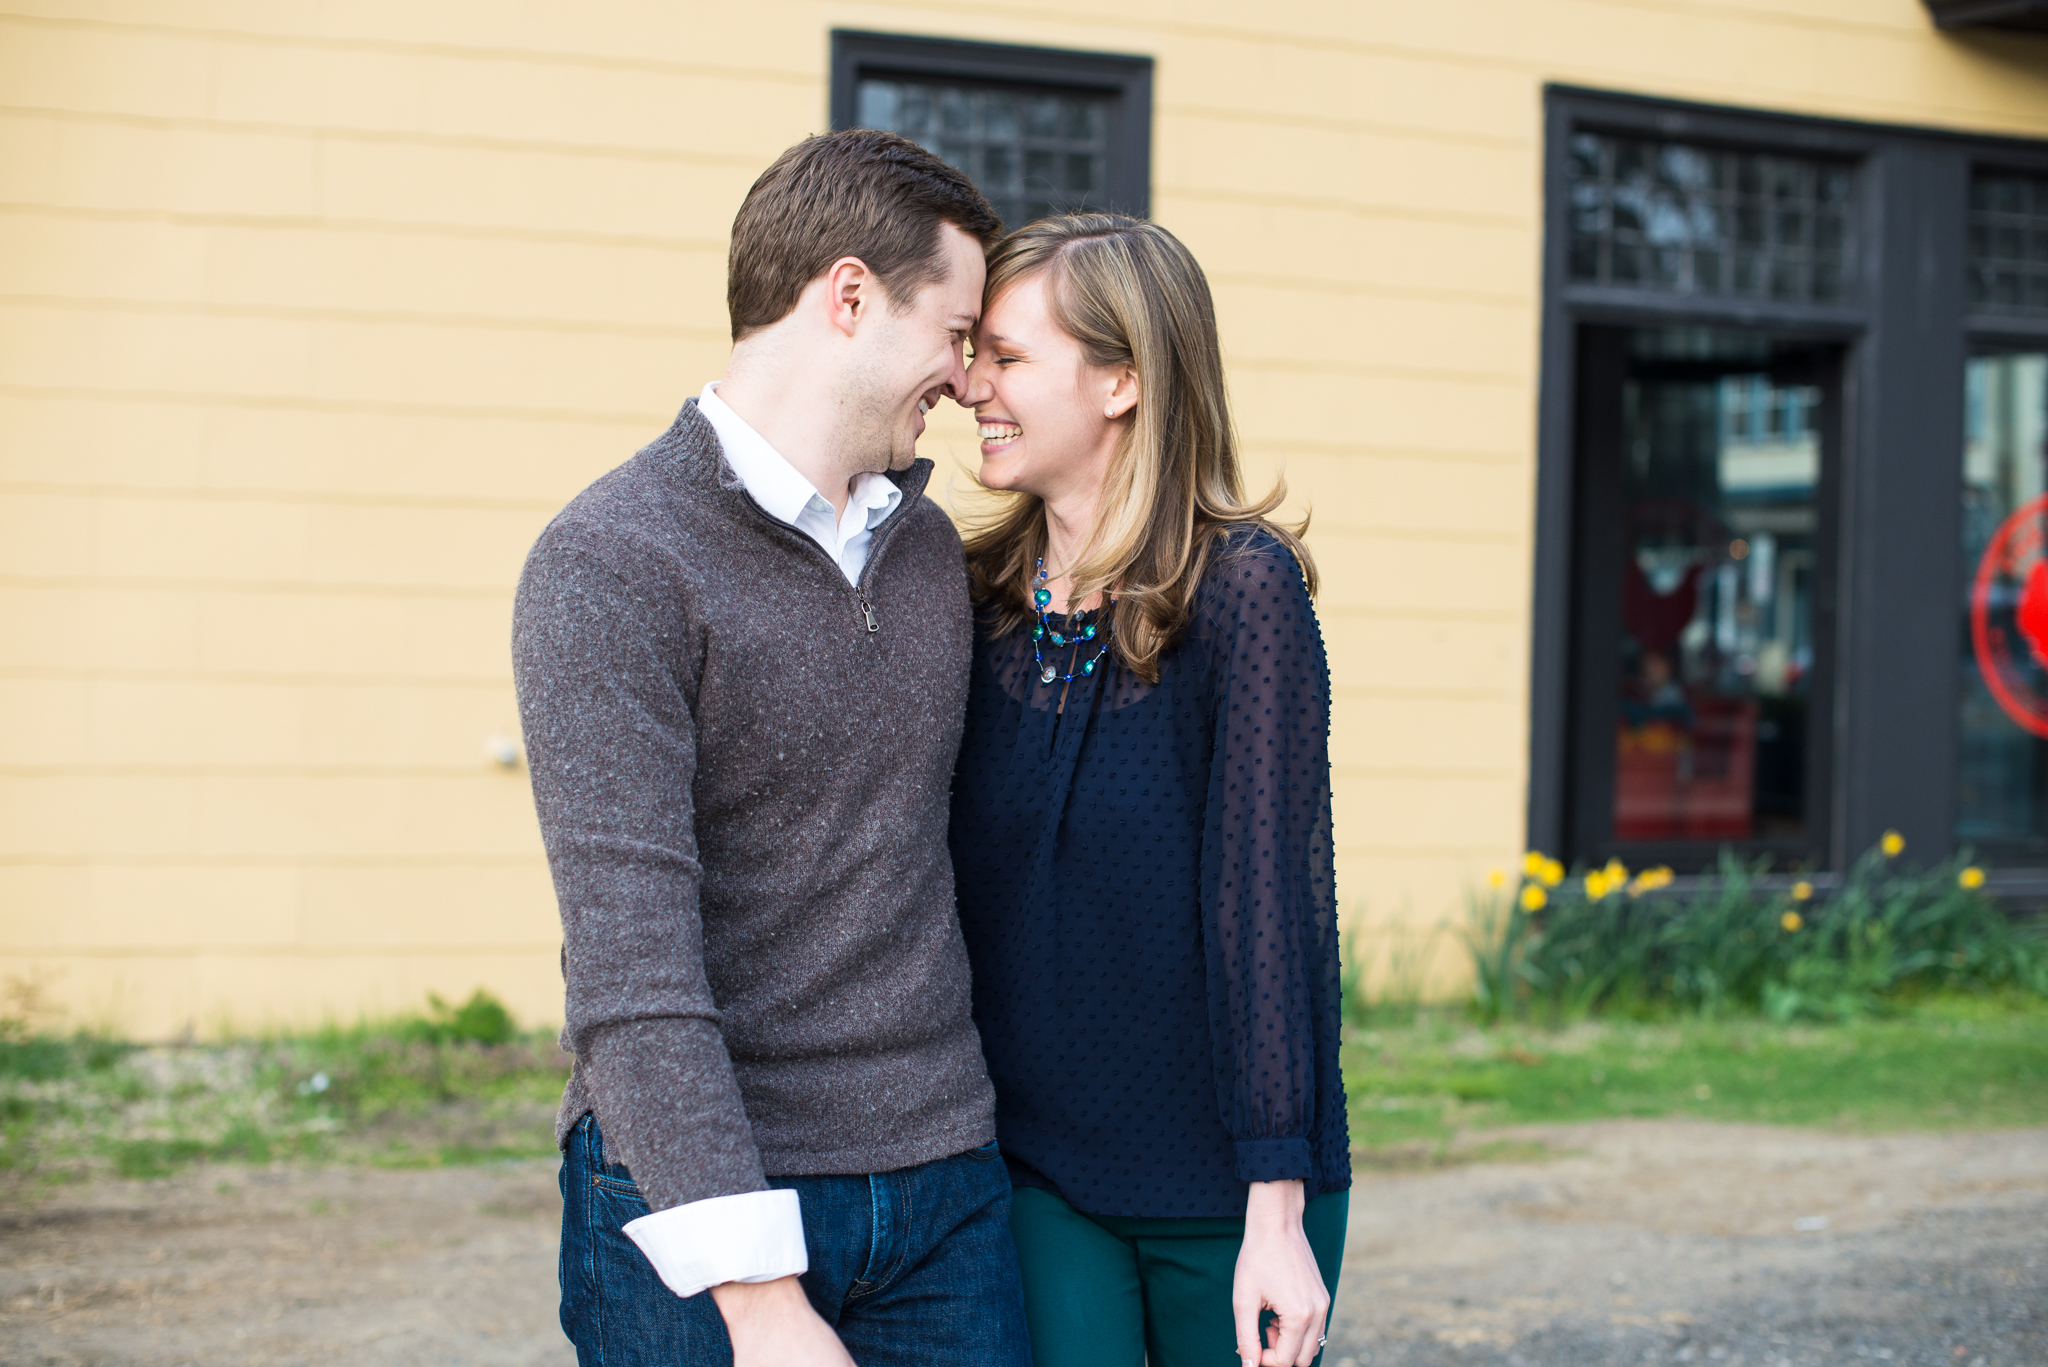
(1124, 397)
(851, 292)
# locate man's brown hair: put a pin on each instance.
(860, 193)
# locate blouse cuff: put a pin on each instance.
(1275, 1160)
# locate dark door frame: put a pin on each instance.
(1907, 331)
(1597, 453)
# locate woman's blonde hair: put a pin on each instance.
(1130, 294)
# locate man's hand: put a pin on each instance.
(772, 1325)
(1276, 1270)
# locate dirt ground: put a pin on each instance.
(1633, 1242)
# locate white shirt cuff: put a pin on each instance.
(755, 1236)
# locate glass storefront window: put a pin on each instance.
(1700, 220)
(1720, 471)
(2009, 243)
(2002, 795)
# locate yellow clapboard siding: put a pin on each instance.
(1462, 731)
(1422, 653)
(1406, 494)
(263, 542)
(55, 722)
(214, 444)
(632, 291)
(341, 361)
(86, 625)
(1455, 578)
(1416, 810)
(1210, 155)
(215, 993)
(54, 909)
(1321, 326)
(1419, 407)
(450, 89)
(1357, 246)
(225, 908)
(260, 813)
(294, 175)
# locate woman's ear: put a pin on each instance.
(1124, 397)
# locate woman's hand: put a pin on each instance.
(1277, 1271)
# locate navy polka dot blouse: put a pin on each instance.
(1145, 886)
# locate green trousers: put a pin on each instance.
(1120, 1291)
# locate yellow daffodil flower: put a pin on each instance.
(1617, 873)
(1532, 864)
(1791, 921)
(1553, 873)
(1971, 878)
(1649, 880)
(1534, 898)
(1892, 843)
(1496, 879)
(1596, 886)
(1802, 890)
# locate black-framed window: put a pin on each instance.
(1751, 479)
(2009, 242)
(2022, 16)
(1040, 130)
(1693, 219)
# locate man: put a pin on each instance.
(742, 667)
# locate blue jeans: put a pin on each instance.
(910, 1267)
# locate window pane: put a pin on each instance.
(1031, 152)
(2003, 775)
(1721, 466)
(2009, 243)
(1668, 215)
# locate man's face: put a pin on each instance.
(910, 359)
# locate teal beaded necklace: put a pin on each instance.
(1041, 598)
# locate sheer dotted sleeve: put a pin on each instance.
(1269, 901)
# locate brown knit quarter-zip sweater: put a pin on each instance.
(741, 763)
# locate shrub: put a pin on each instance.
(482, 1019)
(1606, 940)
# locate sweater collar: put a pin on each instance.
(690, 454)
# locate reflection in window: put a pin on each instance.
(2009, 243)
(1032, 153)
(2002, 798)
(1721, 466)
(1696, 220)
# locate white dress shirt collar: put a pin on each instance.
(785, 495)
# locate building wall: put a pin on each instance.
(311, 315)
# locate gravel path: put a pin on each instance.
(1677, 1241)
(1637, 1242)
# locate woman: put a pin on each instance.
(1141, 826)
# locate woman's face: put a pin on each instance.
(1049, 420)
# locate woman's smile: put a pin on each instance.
(997, 435)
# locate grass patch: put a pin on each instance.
(1943, 1063)
(453, 1084)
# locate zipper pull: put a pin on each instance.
(867, 613)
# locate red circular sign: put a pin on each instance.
(2009, 616)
